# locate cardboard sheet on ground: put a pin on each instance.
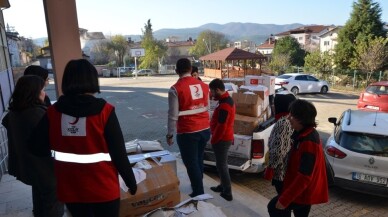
(192, 207)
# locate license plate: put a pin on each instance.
(372, 107)
(369, 178)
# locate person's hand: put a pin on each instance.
(268, 173)
(170, 141)
(279, 205)
(133, 189)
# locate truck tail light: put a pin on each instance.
(335, 152)
(257, 149)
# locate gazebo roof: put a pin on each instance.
(232, 54)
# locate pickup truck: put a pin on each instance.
(247, 153)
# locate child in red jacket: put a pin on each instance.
(305, 182)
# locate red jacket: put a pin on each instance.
(193, 98)
(222, 121)
(305, 181)
(83, 167)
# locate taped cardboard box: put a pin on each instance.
(260, 90)
(248, 104)
(241, 146)
(159, 189)
(245, 125)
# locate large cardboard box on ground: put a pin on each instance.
(248, 104)
(245, 125)
(260, 90)
(159, 189)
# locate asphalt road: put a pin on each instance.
(141, 106)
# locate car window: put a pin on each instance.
(376, 89)
(365, 143)
(337, 130)
(284, 76)
(311, 78)
(300, 78)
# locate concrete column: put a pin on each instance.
(63, 36)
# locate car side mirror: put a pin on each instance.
(333, 120)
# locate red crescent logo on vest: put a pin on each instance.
(196, 89)
(74, 122)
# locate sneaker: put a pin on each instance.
(217, 188)
(227, 197)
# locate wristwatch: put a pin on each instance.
(169, 136)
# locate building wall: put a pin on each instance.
(328, 42)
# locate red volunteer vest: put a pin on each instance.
(83, 168)
(193, 97)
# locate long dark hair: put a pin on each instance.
(26, 93)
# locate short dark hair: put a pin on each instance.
(80, 77)
(183, 66)
(282, 102)
(26, 93)
(36, 70)
(194, 69)
(305, 112)
(217, 83)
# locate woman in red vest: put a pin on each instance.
(87, 145)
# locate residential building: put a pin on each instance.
(307, 36)
(45, 58)
(13, 41)
(176, 49)
(89, 40)
(328, 40)
(246, 45)
(266, 48)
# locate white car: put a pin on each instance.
(357, 152)
(302, 83)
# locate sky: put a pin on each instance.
(128, 17)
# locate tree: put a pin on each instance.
(208, 42)
(319, 62)
(119, 46)
(101, 54)
(364, 23)
(280, 62)
(290, 48)
(371, 56)
(154, 49)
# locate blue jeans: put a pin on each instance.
(192, 146)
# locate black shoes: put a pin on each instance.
(217, 188)
(227, 197)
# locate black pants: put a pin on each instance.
(104, 209)
(278, 185)
(221, 154)
(45, 203)
(299, 210)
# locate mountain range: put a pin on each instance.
(234, 31)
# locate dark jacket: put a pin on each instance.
(222, 121)
(84, 106)
(20, 126)
(305, 181)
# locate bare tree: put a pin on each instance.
(372, 56)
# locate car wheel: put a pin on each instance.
(329, 173)
(324, 89)
(295, 90)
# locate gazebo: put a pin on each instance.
(232, 63)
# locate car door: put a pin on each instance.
(302, 83)
(313, 84)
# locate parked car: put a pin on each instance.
(144, 72)
(357, 151)
(375, 97)
(302, 83)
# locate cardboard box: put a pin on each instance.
(159, 189)
(245, 125)
(236, 81)
(253, 80)
(241, 146)
(260, 90)
(248, 104)
(269, 82)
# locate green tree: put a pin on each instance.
(371, 56)
(364, 23)
(154, 49)
(318, 62)
(289, 46)
(208, 42)
(119, 46)
(280, 62)
(101, 54)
